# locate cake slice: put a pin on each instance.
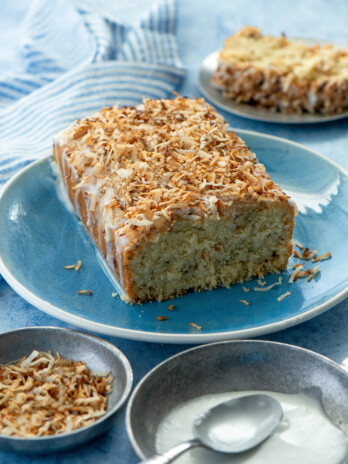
(172, 199)
(281, 74)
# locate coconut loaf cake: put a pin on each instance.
(173, 200)
(281, 74)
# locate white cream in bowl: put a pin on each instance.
(305, 435)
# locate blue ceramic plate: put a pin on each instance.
(39, 237)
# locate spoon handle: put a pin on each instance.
(173, 453)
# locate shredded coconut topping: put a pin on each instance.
(309, 254)
(44, 395)
(313, 273)
(196, 326)
(78, 265)
(284, 295)
(265, 289)
(294, 273)
(306, 254)
(83, 292)
(321, 257)
(75, 266)
(298, 244)
(160, 160)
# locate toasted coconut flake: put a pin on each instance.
(303, 274)
(306, 254)
(162, 159)
(244, 302)
(161, 318)
(45, 395)
(284, 295)
(71, 266)
(196, 326)
(261, 282)
(171, 307)
(28, 361)
(313, 273)
(81, 292)
(265, 289)
(298, 244)
(78, 265)
(316, 270)
(309, 254)
(320, 258)
(294, 274)
(140, 222)
(246, 289)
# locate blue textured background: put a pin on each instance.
(202, 27)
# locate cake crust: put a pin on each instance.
(281, 74)
(135, 174)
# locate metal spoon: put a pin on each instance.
(234, 426)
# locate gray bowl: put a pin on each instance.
(99, 355)
(232, 366)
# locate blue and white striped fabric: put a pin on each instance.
(75, 63)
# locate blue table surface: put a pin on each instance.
(202, 27)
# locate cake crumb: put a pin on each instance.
(114, 295)
(244, 302)
(171, 307)
(261, 282)
(196, 326)
(281, 297)
(161, 318)
(126, 299)
(246, 289)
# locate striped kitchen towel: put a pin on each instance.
(76, 62)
